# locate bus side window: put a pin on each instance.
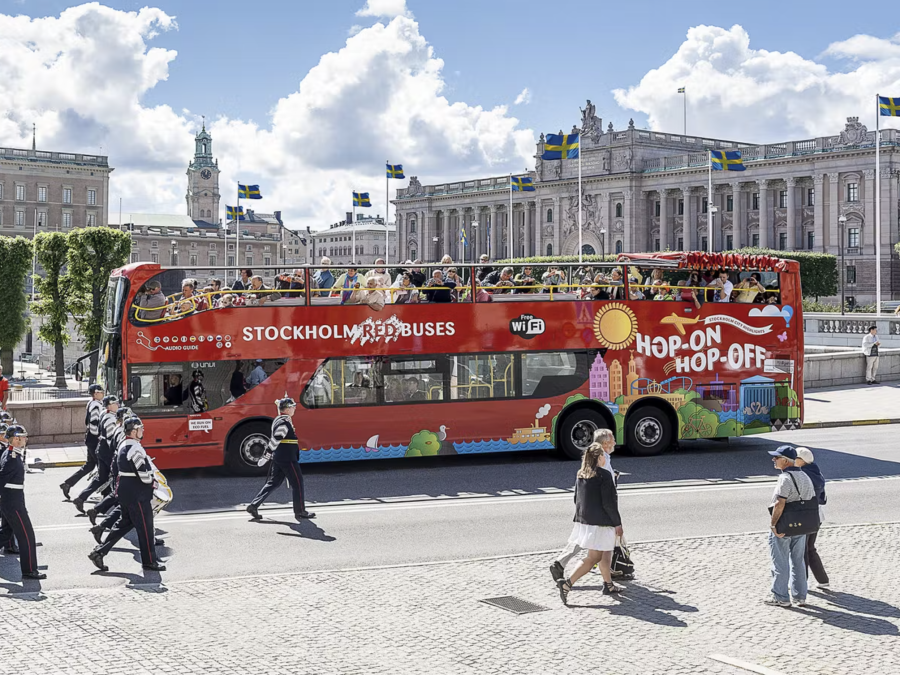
(553, 373)
(478, 376)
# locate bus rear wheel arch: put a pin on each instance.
(246, 445)
(576, 430)
(649, 430)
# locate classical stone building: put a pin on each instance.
(647, 191)
(203, 181)
(372, 242)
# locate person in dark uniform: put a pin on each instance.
(91, 438)
(7, 538)
(197, 392)
(12, 500)
(135, 490)
(284, 453)
(118, 437)
(103, 453)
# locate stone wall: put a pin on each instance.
(57, 421)
(836, 369)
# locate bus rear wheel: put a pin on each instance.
(245, 447)
(576, 432)
(648, 431)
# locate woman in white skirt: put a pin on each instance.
(597, 520)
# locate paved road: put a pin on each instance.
(459, 507)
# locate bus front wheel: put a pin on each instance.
(245, 447)
(576, 432)
(648, 431)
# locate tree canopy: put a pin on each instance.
(15, 261)
(51, 249)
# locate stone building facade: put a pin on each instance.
(203, 181)
(647, 191)
(336, 242)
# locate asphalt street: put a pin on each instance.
(450, 508)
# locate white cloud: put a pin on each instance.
(381, 97)
(739, 93)
(385, 8)
(523, 97)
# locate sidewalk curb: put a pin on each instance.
(847, 423)
(57, 465)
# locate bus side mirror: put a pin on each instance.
(134, 389)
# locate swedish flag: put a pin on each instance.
(522, 184)
(726, 160)
(889, 107)
(558, 146)
(462, 237)
(231, 212)
(249, 191)
(395, 171)
(680, 90)
(361, 199)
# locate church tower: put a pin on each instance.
(203, 181)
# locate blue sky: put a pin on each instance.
(241, 64)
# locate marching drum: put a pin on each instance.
(162, 493)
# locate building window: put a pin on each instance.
(704, 243)
(67, 195)
(92, 198)
(42, 218)
(91, 219)
(267, 248)
(412, 227)
(42, 193)
(231, 261)
(549, 215)
(154, 244)
(680, 207)
(194, 245)
(754, 240)
(1, 190)
(618, 245)
(810, 240)
(782, 241)
(248, 260)
(729, 242)
(230, 247)
(67, 220)
(213, 261)
(853, 237)
(782, 199)
(851, 274)
(212, 246)
(811, 197)
(549, 249)
(154, 257)
(375, 249)
(756, 201)
(704, 207)
(729, 203)
(192, 260)
(20, 193)
(135, 257)
(267, 260)
(656, 244)
(20, 218)
(852, 192)
(656, 209)
(249, 248)
(618, 210)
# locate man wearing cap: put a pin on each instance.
(104, 452)
(806, 462)
(7, 538)
(92, 416)
(788, 551)
(152, 303)
(257, 375)
(12, 500)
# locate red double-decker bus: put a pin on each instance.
(656, 347)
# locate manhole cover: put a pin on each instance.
(515, 605)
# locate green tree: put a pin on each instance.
(15, 263)
(51, 249)
(94, 252)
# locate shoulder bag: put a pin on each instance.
(800, 517)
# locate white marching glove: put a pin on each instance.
(267, 456)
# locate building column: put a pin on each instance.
(821, 232)
(495, 231)
(429, 247)
(629, 245)
(448, 237)
(689, 224)
(400, 222)
(663, 220)
(512, 231)
(867, 245)
(763, 213)
(482, 232)
(834, 212)
(738, 219)
(528, 233)
(791, 219)
(557, 225)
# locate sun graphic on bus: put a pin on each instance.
(615, 326)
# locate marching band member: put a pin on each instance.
(284, 453)
(12, 500)
(7, 538)
(91, 438)
(135, 491)
(104, 454)
(109, 505)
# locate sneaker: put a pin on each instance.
(557, 571)
(775, 602)
(800, 602)
(564, 586)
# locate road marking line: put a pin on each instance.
(752, 667)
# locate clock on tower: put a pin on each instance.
(206, 174)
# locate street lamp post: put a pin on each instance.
(842, 221)
(174, 253)
(435, 241)
(713, 210)
(602, 243)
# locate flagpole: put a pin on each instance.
(877, 206)
(684, 116)
(353, 232)
(709, 201)
(509, 246)
(579, 202)
(237, 245)
(387, 212)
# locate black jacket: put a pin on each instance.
(818, 480)
(596, 500)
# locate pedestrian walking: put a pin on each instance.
(284, 453)
(91, 438)
(135, 492)
(870, 345)
(806, 461)
(597, 519)
(12, 500)
(787, 551)
(104, 452)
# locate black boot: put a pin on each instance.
(97, 558)
(97, 531)
(79, 504)
(254, 513)
(65, 487)
(155, 567)
(34, 575)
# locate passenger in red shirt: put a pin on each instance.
(4, 390)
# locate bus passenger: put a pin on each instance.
(406, 293)
(258, 288)
(439, 289)
(723, 287)
(227, 300)
(665, 293)
(154, 300)
(525, 281)
(197, 393)
(189, 299)
(485, 268)
(174, 395)
(552, 279)
(217, 289)
(634, 291)
(656, 279)
(412, 391)
(598, 291)
(380, 274)
(500, 280)
(374, 296)
(749, 288)
(243, 283)
(346, 284)
(324, 278)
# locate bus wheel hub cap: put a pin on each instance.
(583, 434)
(648, 431)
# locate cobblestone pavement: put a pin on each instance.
(692, 598)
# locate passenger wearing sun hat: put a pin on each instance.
(806, 462)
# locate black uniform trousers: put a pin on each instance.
(7, 537)
(278, 471)
(107, 503)
(813, 561)
(137, 515)
(88, 466)
(112, 517)
(102, 478)
(16, 516)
